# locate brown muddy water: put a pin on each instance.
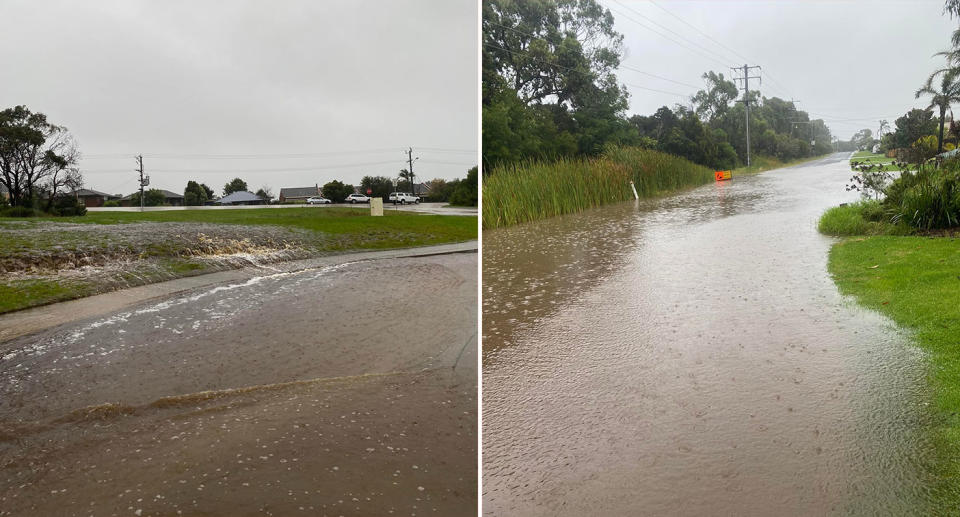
(343, 390)
(691, 356)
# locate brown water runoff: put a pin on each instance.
(690, 355)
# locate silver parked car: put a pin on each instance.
(356, 198)
(318, 201)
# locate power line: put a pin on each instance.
(621, 65)
(638, 13)
(232, 171)
(265, 156)
(671, 39)
(739, 55)
(580, 71)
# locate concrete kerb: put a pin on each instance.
(29, 321)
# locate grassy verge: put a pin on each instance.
(916, 282)
(866, 157)
(48, 260)
(861, 218)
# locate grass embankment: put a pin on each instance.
(538, 190)
(44, 260)
(916, 282)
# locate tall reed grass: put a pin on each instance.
(538, 190)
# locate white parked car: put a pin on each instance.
(356, 198)
(403, 198)
(318, 201)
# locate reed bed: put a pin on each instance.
(538, 190)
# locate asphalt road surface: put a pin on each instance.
(339, 390)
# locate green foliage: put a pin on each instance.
(539, 189)
(926, 199)
(380, 186)
(66, 205)
(915, 124)
(194, 194)
(336, 191)
(111, 204)
(20, 211)
(207, 190)
(867, 217)
(235, 185)
(152, 197)
(265, 193)
(465, 191)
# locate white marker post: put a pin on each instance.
(376, 206)
(634, 189)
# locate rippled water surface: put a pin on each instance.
(691, 356)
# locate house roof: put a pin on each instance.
(85, 192)
(166, 193)
(299, 192)
(239, 197)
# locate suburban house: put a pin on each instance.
(93, 198)
(298, 194)
(240, 198)
(170, 198)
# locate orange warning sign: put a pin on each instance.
(722, 175)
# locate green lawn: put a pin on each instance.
(152, 255)
(916, 282)
(868, 157)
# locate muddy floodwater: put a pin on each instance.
(690, 355)
(340, 390)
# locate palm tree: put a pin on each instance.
(948, 92)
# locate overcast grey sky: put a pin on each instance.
(351, 83)
(840, 59)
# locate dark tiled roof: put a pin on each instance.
(290, 192)
(84, 192)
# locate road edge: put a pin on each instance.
(22, 323)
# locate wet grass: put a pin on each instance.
(18, 294)
(860, 218)
(538, 190)
(916, 282)
(41, 248)
(866, 157)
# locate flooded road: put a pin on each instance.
(691, 356)
(339, 390)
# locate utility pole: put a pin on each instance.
(410, 160)
(746, 96)
(140, 170)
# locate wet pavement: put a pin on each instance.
(347, 389)
(690, 355)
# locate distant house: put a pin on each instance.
(240, 198)
(93, 198)
(170, 198)
(298, 194)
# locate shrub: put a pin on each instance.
(111, 204)
(21, 211)
(68, 206)
(927, 199)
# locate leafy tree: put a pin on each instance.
(862, 139)
(235, 185)
(194, 194)
(152, 197)
(380, 186)
(915, 124)
(337, 191)
(33, 151)
(714, 101)
(207, 190)
(942, 95)
(265, 193)
(406, 181)
(465, 193)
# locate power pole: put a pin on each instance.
(746, 96)
(140, 170)
(410, 160)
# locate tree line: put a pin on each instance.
(550, 91)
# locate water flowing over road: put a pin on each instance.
(339, 390)
(690, 355)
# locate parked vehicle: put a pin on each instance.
(356, 198)
(318, 201)
(403, 198)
